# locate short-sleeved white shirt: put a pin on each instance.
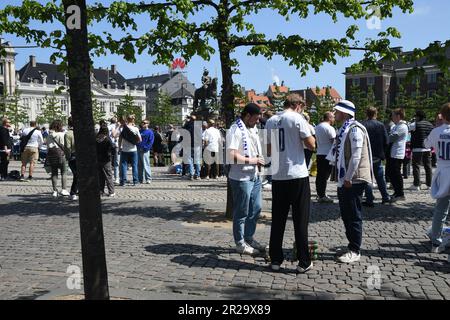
(243, 172)
(36, 139)
(213, 136)
(325, 135)
(439, 139)
(291, 129)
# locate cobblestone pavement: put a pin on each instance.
(169, 240)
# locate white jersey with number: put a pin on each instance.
(288, 155)
(439, 139)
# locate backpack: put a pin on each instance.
(24, 140)
(129, 135)
(56, 156)
(14, 174)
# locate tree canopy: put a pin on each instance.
(177, 31)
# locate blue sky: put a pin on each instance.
(425, 25)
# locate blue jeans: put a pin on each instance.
(144, 169)
(125, 158)
(350, 207)
(439, 217)
(247, 208)
(194, 162)
(378, 171)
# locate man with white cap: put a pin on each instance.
(352, 158)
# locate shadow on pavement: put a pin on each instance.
(44, 204)
(34, 296)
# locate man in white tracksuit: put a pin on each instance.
(439, 139)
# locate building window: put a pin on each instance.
(103, 106)
(1, 69)
(356, 82)
(370, 81)
(112, 107)
(431, 93)
(400, 80)
(432, 77)
(63, 105)
(26, 103)
(38, 105)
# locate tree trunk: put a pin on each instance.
(92, 241)
(227, 103)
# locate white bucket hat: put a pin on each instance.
(346, 106)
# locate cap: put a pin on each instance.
(251, 109)
(346, 106)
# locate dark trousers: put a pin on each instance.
(323, 174)
(106, 176)
(295, 193)
(73, 168)
(351, 214)
(422, 158)
(395, 176)
(308, 156)
(4, 165)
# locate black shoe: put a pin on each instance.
(30, 178)
(384, 201)
(22, 178)
(397, 198)
(367, 204)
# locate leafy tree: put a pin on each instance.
(127, 107)
(278, 99)
(51, 110)
(97, 112)
(165, 112)
(179, 32)
(14, 110)
(322, 104)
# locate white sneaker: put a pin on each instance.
(414, 188)
(267, 186)
(112, 195)
(74, 197)
(246, 249)
(255, 244)
(303, 270)
(55, 194)
(425, 188)
(65, 193)
(437, 249)
(349, 257)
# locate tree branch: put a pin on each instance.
(144, 6)
(250, 2)
(244, 43)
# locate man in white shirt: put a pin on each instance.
(245, 158)
(128, 151)
(212, 139)
(397, 139)
(31, 152)
(352, 156)
(439, 139)
(325, 135)
(290, 183)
